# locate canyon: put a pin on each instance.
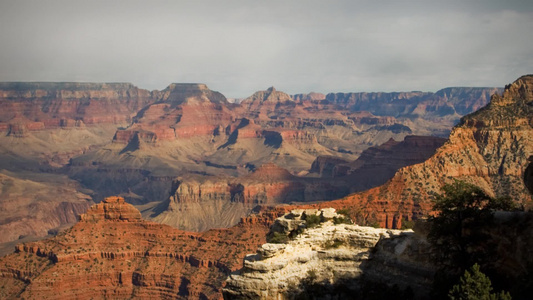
(94, 140)
(113, 252)
(489, 148)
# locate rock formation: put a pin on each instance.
(183, 111)
(489, 148)
(334, 260)
(378, 164)
(200, 203)
(335, 257)
(444, 103)
(44, 105)
(113, 253)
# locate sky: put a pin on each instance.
(238, 47)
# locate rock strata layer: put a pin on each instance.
(113, 253)
(489, 148)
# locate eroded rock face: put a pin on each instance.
(203, 203)
(489, 148)
(38, 106)
(112, 208)
(112, 253)
(334, 256)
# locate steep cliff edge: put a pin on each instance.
(489, 148)
(334, 258)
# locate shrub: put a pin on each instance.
(344, 211)
(463, 210)
(312, 221)
(277, 238)
(341, 220)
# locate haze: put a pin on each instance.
(238, 47)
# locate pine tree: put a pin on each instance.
(474, 285)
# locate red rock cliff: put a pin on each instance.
(37, 106)
(489, 148)
(112, 253)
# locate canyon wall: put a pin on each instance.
(44, 105)
(489, 148)
(200, 203)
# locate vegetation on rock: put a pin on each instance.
(312, 221)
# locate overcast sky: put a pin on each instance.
(239, 47)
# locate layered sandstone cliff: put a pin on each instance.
(489, 148)
(200, 203)
(44, 105)
(182, 111)
(113, 253)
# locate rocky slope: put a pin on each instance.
(34, 208)
(341, 261)
(336, 259)
(489, 148)
(200, 203)
(378, 164)
(113, 253)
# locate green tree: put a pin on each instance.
(474, 285)
(457, 229)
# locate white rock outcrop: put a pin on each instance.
(325, 254)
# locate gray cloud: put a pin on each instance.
(237, 47)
